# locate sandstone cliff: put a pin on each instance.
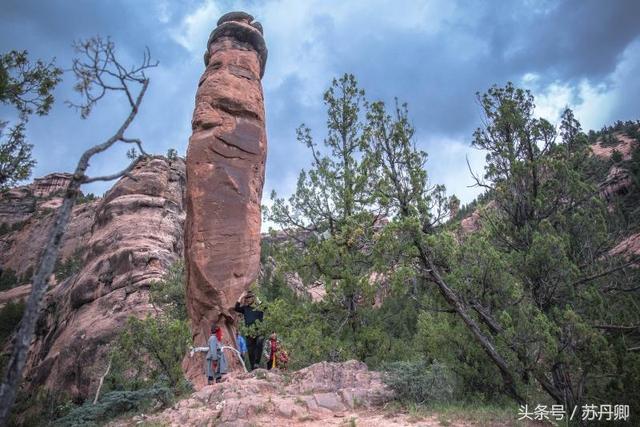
(121, 243)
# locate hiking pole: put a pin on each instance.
(238, 354)
(205, 349)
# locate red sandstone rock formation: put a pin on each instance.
(624, 146)
(51, 184)
(126, 241)
(225, 174)
(28, 212)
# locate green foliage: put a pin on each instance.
(10, 315)
(331, 211)
(149, 351)
(85, 198)
(6, 228)
(29, 88)
(172, 154)
(132, 153)
(39, 408)
(27, 275)
(616, 156)
(114, 404)
(421, 382)
(537, 279)
(542, 287)
(169, 293)
(70, 266)
(301, 328)
(8, 279)
(15, 155)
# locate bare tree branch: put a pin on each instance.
(116, 175)
(93, 85)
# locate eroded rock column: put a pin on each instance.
(225, 175)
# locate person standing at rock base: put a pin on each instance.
(242, 345)
(246, 306)
(277, 356)
(216, 362)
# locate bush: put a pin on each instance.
(172, 154)
(70, 266)
(114, 404)
(10, 316)
(27, 275)
(85, 198)
(421, 382)
(8, 279)
(616, 156)
(149, 352)
(39, 407)
(169, 293)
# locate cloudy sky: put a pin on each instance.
(432, 54)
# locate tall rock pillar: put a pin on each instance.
(225, 175)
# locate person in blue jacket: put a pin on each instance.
(242, 345)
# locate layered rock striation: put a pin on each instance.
(27, 214)
(123, 243)
(225, 175)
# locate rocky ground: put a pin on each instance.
(323, 394)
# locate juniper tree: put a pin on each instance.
(400, 182)
(330, 216)
(29, 88)
(550, 226)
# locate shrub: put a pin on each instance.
(27, 275)
(39, 407)
(10, 316)
(420, 382)
(8, 279)
(616, 156)
(172, 154)
(69, 266)
(114, 404)
(85, 198)
(149, 352)
(169, 293)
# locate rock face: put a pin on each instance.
(316, 395)
(225, 175)
(123, 243)
(27, 213)
(51, 184)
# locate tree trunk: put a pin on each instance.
(17, 361)
(484, 341)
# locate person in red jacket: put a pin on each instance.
(276, 354)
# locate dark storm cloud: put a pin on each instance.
(438, 74)
(434, 55)
(575, 39)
